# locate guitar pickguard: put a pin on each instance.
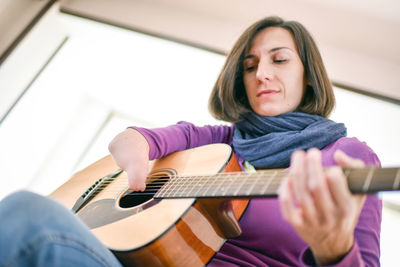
(105, 211)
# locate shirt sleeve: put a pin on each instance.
(182, 136)
(366, 248)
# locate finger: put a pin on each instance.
(314, 168)
(137, 178)
(318, 187)
(289, 210)
(341, 194)
(299, 178)
(346, 161)
(298, 175)
(338, 186)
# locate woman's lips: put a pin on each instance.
(267, 92)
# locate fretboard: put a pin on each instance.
(266, 183)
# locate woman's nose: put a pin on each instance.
(264, 72)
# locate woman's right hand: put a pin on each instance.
(130, 151)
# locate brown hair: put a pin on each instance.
(228, 100)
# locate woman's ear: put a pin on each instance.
(308, 85)
(306, 80)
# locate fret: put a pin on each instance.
(195, 186)
(209, 185)
(161, 191)
(224, 188)
(397, 180)
(170, 186)
(246, 184)
(227, 182)
(188, 186)
(191, 185)
(372, 179)
(269, 181)
(239, 187)
(356, 179)
(368, 180)
(231, 186)
(200, 185)
(276, 183)
(177, 187)
(258, 177)
(383, 180)
(221, 191)
(182, 186)
(218, 182)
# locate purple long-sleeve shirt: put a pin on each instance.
(267, 239)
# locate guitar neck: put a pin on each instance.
(266, 183)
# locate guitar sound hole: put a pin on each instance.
(134, 198)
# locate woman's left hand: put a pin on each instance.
(319, 205)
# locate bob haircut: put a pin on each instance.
(228, 100)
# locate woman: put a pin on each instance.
(275, 90)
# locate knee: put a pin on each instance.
(23, 202)
(32, 224)
(23, 208)
(20, 197)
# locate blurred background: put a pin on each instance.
(75, 73)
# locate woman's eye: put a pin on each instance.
(280, 60)
(250, 68)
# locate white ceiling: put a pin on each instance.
(359, 40)
(383, 9)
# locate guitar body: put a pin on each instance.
(142, 231)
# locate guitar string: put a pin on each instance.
(205, 178)
(188, 180)
(207, 182)
(151, 189)
(153, 192)
(177, 181)
(204, 186)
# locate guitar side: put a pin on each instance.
(178, 232)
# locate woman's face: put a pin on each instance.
(273, 73)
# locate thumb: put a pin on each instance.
(137, 178)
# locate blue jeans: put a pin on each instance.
(38, 231)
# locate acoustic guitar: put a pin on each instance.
(192, 203)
